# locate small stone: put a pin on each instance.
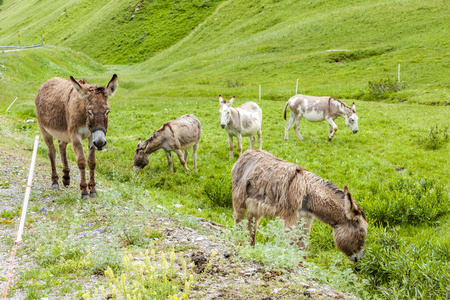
(43, 210)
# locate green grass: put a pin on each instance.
(178, 56)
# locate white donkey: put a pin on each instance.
(244, 120)
(317, 109)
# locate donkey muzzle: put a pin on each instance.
(355, 131)
(137, 169)
(99, 138)
(222, 125)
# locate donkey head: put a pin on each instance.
(351, 120)
(140, 157)
(350, 237)
(225, 112)
(97, 108)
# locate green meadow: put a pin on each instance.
(176, 57)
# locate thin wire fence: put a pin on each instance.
(21, 47)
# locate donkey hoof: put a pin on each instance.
(55, 185)
(93, 194)
(66, 182)
(84, 195)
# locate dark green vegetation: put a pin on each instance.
(396, 166)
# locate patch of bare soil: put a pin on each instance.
(229, 277)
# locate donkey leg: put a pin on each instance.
(252, 142)
(253, 221)
(303, 243)
(180, 157)
(296, 124)
(333, 128)
(66, 168)
(51, 153)
(81, 162)
(194, 155)
(169, 159)
(230, 142)
(185, 156)
(239, 142)
(239, 214)
(92, 162)
(260, 139)
(288, 126)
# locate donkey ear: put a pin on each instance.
(139, 143)
(83, 93)
(112, 86)
(354, 107)
(221, 101)
(231, 101)
(350, 207)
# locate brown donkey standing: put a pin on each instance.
(269, 186)
(71, 111)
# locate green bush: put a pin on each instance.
(218, 190)
(382, 89)
(399, 270)
(435, 138)
(406, 201)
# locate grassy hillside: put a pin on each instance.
(273, 43)
(23, 72)
(204, 47)
(109, 31)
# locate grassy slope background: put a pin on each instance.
(272, 43)
(235, 46)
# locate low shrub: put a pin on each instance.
(277, 249)
(234, 84)
(406, 201)
(218, 190)
(399, 270)
(435, 138)
(382, 89)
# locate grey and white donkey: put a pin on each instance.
(178, 135)
(244, 120)
(317, 109)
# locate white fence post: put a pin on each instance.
(296, 88)
(27, 191)
(11, 104)
(398, 72)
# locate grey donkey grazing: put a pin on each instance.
(177, 135)
(317, 109)
(269, 186)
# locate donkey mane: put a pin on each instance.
(328, 185)
(343, 104)
(156, 133)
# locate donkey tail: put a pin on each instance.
(284, 111)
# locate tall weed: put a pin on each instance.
(435, 138)
(406, 201)
(218, 190)
(382, 89)
(277, 250)
(399, 270)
